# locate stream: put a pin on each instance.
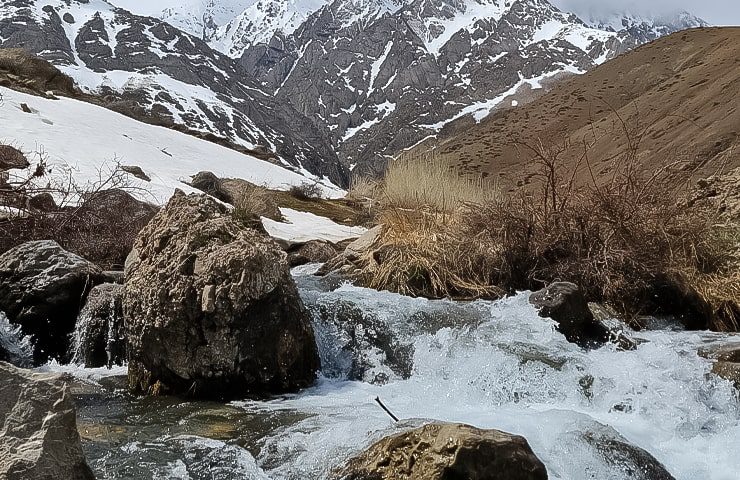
(490, 364)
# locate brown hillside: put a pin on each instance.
(679, 98)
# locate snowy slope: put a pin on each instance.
(86, 138)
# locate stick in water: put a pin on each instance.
(395, 418)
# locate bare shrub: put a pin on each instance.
(98, 220)
(634, 241)
(306, 191)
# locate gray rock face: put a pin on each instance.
(98, 339)
(211, 309)
(38, 428)
(42, 288)
(564, 302)
(445, 451)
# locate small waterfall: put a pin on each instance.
(98, 338)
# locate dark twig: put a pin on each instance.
(395, 418)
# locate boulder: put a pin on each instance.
(347, 261)
(211, 309)
(208, 182)
(136, 171)
(43, 202)
(98, 339)
(564, 302)
(446, 451)
(42, 287)
(38, 428)
(12, 158)
(363, 346)
(631, 460)
(313, 251)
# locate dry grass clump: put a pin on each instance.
(252, 202)
(430, 183)
(633, 242)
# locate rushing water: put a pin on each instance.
(490, 364)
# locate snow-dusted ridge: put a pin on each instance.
(86, 139)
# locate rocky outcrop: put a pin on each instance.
(313, 251)
(252, 199)
(446, 451)
(11, 158)
(564, 302)
(98, 339)
(349, 261)
(208, 182)
(38, 428)
(211, 309)
(364, 347)
(42, 288)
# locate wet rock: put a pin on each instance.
(12, 348)
(632, 461)
(12, 158)
(564, 302)
(446, 451)
(98, 339)
(42, 287)
(136, 171)
(211, 309)
(727, 361)
(38, 428)
(363, 346)
(314, 251)
(208, 182)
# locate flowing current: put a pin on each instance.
(490, 364)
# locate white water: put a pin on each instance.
(494, 365)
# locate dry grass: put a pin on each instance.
(430, 183)
(252, 202)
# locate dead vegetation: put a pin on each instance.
(98, 220)
(636, 242)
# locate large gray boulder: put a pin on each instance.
(38, 428)
(98, 339)
(42, 288)
(446, 451)
(211, 309)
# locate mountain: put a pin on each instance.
(677, 98)
(170, 74)
(327, 85)
(167, 157)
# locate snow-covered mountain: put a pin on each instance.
(326, 84)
